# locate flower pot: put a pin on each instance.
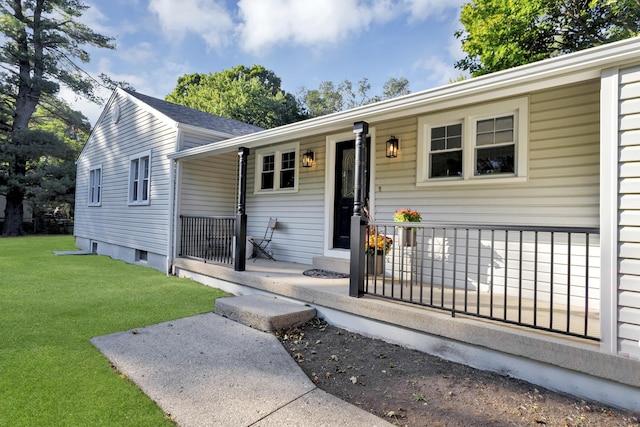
(408, 236)
(375, 264)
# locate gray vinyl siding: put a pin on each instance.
(629, 217)
(209, 186)
(563, 170)
(191, 140)
(116, 222)
(300, 233)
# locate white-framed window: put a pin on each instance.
(473, 144)
(277, 168)
(445, 150)
(495, 145)
(95, 186)
(140, 178)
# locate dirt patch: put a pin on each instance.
(410, 388)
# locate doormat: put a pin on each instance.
(324, 274)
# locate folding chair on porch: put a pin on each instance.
(260, 245)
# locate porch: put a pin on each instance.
(562, 363)
(543, 278)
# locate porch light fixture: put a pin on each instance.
(392, 147)
(307, 159)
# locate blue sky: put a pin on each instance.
(305, 42)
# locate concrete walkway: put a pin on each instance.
(207, 370)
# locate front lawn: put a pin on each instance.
(50, 306)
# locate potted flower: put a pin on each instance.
(407, 215)
(378, 244)
(376, 247)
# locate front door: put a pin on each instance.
(343, 194)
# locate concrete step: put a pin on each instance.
(264, 313)
(338, 265)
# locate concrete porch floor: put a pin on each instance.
(558, 362)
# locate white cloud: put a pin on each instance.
(207, 18)
(266, 23)
(142, 53)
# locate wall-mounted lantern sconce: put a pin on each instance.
(307, 159)
(392, 147)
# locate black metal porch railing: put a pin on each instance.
(545, 278)
(207, 238)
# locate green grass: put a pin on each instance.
(50, 306)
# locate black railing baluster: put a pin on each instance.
(207, 238)
(443, 244)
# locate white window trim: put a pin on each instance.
(469, 117)
(277, 152)
(130, 179)
(91, 187)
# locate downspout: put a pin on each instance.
(171, 208)
(172, 216)
(356, 239)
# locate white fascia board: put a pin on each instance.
(572, 68)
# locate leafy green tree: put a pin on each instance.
(250, 95)
(42, 47)
(501, 34)
(330, 98)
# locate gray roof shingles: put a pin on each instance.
(190, 116)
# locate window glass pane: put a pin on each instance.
(485, 126)
(145, 165)
(446, 164)
(99, 185)
(437, 132)
(484, 139)
(437, 144)
(287, 178)
(135, 168)
(504, 123)
(267, 181)
(454, 142)
(495, 160)
(504, 136)
(454, 130)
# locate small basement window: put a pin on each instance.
(141, 256)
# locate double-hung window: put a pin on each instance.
(495, 145)
(445, 156)
(140, 178)
(95, 186)
(475, 143)
(277, 168)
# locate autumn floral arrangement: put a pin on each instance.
(407, 215)
(378, 244)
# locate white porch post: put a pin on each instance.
(609, 196)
